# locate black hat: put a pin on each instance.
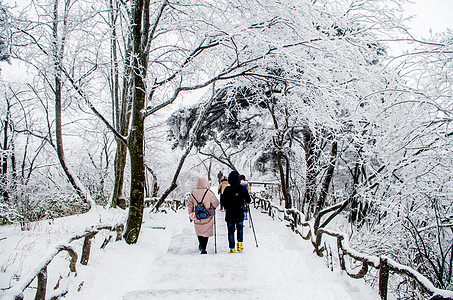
(233, 178)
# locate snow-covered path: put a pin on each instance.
(166, 264)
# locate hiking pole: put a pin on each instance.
(215, 236)
(248, 211)
(253, 228)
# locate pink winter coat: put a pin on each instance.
(203, 227)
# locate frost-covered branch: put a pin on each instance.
(91, 106)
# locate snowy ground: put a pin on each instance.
(166, 263)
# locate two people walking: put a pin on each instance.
(234, 200)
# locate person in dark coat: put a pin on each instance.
(234, 197)
(219, 176)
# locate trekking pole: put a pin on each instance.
(253, 228)
(248, 211)
(215, 237)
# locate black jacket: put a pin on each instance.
(234, 197)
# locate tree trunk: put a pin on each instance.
(283, 180)
(4, 156)
(278, 142)
(134, 220)
(136, 134)
(327, 178)
(155, 187)
(119, 166)
(13, 166)
(58, 57)
(81, 192)
(121, 107)
(310, 181)
(209, 170)
(354, 214)
(193, 133)
(174, 184)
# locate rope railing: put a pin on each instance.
(383, 264)
(40, 271)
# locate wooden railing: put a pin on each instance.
(40, 271)
(173, 204)
(315, 233)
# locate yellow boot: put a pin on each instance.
(232, 250)
(240, 247)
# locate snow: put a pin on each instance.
(166, 262)
(421, 279)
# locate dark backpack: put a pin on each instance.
(200, 210)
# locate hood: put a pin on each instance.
(233, 178)
(224, 178)
(203, 183)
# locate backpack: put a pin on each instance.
(200, 210)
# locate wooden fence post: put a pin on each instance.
(383, 277)
(317, 243)
(86, 249)
(119, 232)
(42, 284)
(73, 254)
(340, 253)
(295, 220)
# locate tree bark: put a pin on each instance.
(327, 179)
(137, 195)
(119, 166)
(4, 156)
(155, 187)
(136, 135)
(283, 180)
(355, 214)
(310, 181)
(121, 109)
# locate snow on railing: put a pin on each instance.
(40, 271)
(315, 233)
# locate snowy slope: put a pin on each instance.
(166, 263)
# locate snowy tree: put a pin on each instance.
(5, 33)
(47, 32)
(311, 91)
(412, 159)
(228, 130)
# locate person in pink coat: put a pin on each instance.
(203, 228)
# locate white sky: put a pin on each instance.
(430, 14)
